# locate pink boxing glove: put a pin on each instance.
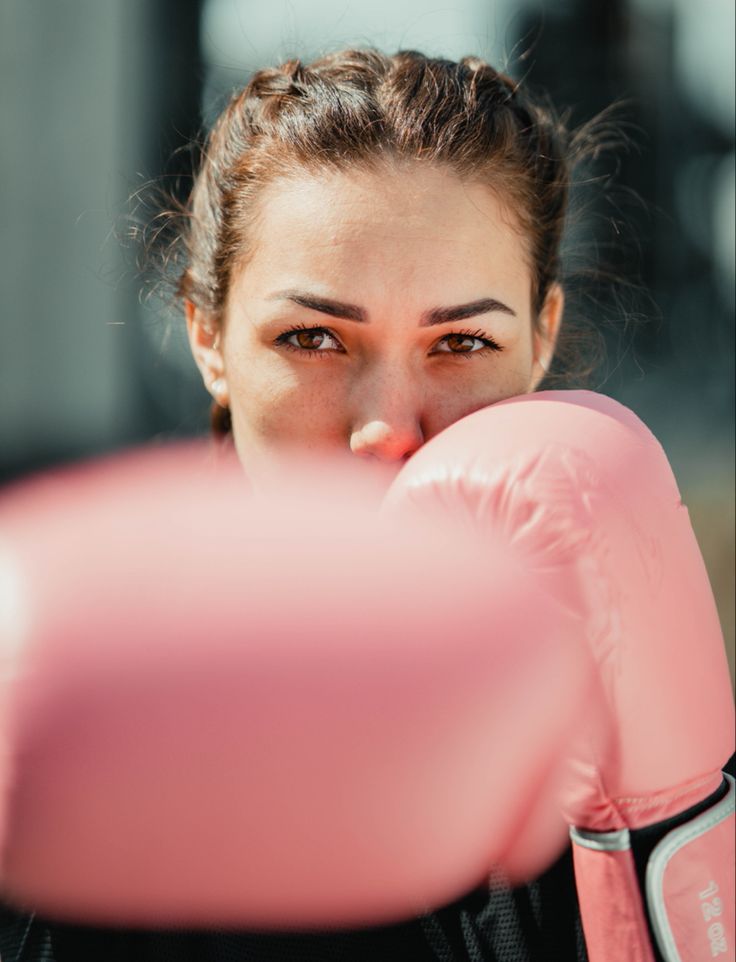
(581, 488)
(275, 712)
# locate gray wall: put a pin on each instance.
(68, 126)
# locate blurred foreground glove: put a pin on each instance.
(583, 491)
(273, 712)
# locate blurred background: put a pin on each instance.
(97, 97)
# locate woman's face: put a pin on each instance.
(374, 311)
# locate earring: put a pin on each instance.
(218, 390)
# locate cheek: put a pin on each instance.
(506, 376)
(272, 402)
(516, 368)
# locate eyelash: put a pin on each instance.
(488, 343)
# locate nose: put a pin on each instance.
(388, 423)
(386, 442)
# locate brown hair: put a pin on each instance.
(361, 107)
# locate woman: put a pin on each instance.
(372, 252)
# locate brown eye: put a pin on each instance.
(309, 340)
(460, 343)
(466, 344)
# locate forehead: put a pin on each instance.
(394, 226)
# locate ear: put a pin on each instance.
(546, 333)
(205, 343)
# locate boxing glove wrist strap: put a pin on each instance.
(651, 894)
(676, 870)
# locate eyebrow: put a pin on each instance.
(351, 312)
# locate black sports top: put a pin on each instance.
(539, 922)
